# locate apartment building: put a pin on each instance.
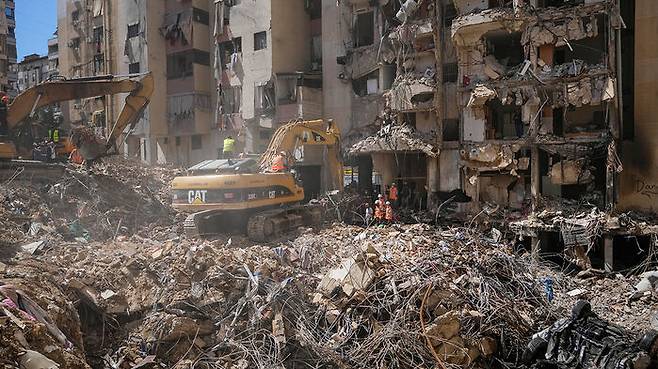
(32, 70)
(220, 67)
(268, 59)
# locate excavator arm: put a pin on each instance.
(139, 89)
(303, 133)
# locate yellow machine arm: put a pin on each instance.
(302, 133)
(139, 88)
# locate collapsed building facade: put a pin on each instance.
(396, 74)
(524, 106)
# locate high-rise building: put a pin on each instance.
(220, 67)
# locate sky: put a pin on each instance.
(36, 20)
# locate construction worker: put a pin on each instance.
(229, 147)
(280, 162)
(53, 135)
(389, 212)
(379, 211)
(393, 195)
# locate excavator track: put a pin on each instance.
(264, 225)
(260, 226)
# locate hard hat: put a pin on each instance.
(388, 203)
(380, 195)
(282, 153)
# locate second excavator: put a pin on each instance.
(138, 87)
(245, 194)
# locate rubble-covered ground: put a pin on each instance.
(96, 272)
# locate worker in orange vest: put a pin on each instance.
(389, 212)
(280, 162)
(393, 195)
(379, 211)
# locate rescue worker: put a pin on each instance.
(389, 212)
(53, 134)
(380, 211)
(280, 162)
(393, 195)
(229, 147)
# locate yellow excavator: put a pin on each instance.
(139, 89)
(224, 195)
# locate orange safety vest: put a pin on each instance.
(389, 212)
(379, 211)
(278, 164)
(393, 193)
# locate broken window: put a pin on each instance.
(449, 13)
(450, 72)
(231, 99)
(409, 119)
(200, 16)
(99, 64)
(451, 130)
(133, 30)
(264, 97)
(75, 15)
(196, 142)
(133, 68)
(260, 40)
(591, 50)
(506, 48)
(503, 121)
(179, 65)
(228, 48)
(364, 29)
(97, 35)
(366, 85)
(286, 90)
(583, 121)
(11, 51)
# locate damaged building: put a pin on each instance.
(525, 107)
(391, 66)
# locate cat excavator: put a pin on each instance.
(138, 87)
(226, 195)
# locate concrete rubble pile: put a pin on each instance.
(110, 199)
(401, 296)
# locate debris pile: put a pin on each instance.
(400, 296)
(394, 137)
(111, 199)
(415, 296)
